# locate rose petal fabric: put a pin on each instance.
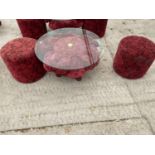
(20, 59)
(134, 56)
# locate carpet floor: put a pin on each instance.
(102, 103)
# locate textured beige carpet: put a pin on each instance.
(102, 103)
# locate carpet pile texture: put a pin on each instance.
(102, 103)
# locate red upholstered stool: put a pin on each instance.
(134, 56)
(97, 26)
(56, 24)
(32, 28)
(47, 20)
(20, 59)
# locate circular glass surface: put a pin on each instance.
(68, 48)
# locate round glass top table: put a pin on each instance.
(69, 51)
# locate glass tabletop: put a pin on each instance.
(69, 48)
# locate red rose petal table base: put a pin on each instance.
(134, 56)
(69, 52)
(20, 59)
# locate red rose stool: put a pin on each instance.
(69, 52)
(57, 24)
(97, 26)
(20, 59)
(32, 28)
(47, 20)
(134, 56)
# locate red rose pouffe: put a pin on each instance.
(134, 56)
(20, 59)
(97, 26)
(32, 28)
(57, 24)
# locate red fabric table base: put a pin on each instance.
(134, 56)
(75, 74)
(32, 28)
(20, 59)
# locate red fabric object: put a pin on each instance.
(134, 56)
(32, 28)
(0, 23)
(72, 61)
(97, 26)
(47, 20)
(57, 24)
(75, 74)
(65, 57)
(20, 59)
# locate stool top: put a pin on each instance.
(68, 48)
(137, 43)
(19, 48)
